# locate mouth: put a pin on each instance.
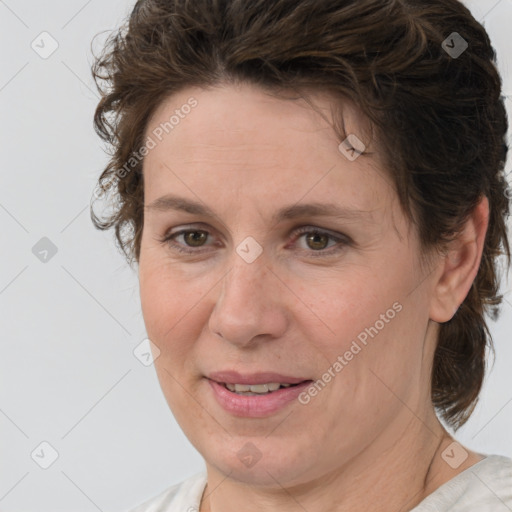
(257, 395)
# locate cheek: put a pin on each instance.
(343, 306)
(168, 304)
(176, 301)
(176, 309)
(158, 305)
(378, 361)
(170, 309)
(367, 322)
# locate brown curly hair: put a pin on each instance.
(440, 117)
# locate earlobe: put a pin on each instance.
(460, 265)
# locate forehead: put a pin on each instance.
(245, 113)
(241, 140)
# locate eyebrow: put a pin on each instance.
(172, 202)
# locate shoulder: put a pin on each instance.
(182, 497)
(483, 487)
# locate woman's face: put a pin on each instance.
(306, 268)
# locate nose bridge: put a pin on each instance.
(246, 304)
(243, 286)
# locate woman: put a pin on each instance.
(315, 199)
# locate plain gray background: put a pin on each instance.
(69, 326)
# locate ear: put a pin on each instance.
(459, 265)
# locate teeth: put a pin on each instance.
(256, 388)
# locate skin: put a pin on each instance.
(370, 440)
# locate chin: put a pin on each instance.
(265, 465)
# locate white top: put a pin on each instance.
(484, 487)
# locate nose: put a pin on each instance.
(249, 307)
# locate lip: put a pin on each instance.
(255, 406)
(232, 377)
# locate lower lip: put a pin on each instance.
(256, 406)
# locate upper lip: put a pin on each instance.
(232, 377)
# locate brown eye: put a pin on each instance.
(187, 241)
(195, 238)
(317, 241)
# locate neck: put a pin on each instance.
(396, 478)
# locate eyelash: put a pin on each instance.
(342, 241)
